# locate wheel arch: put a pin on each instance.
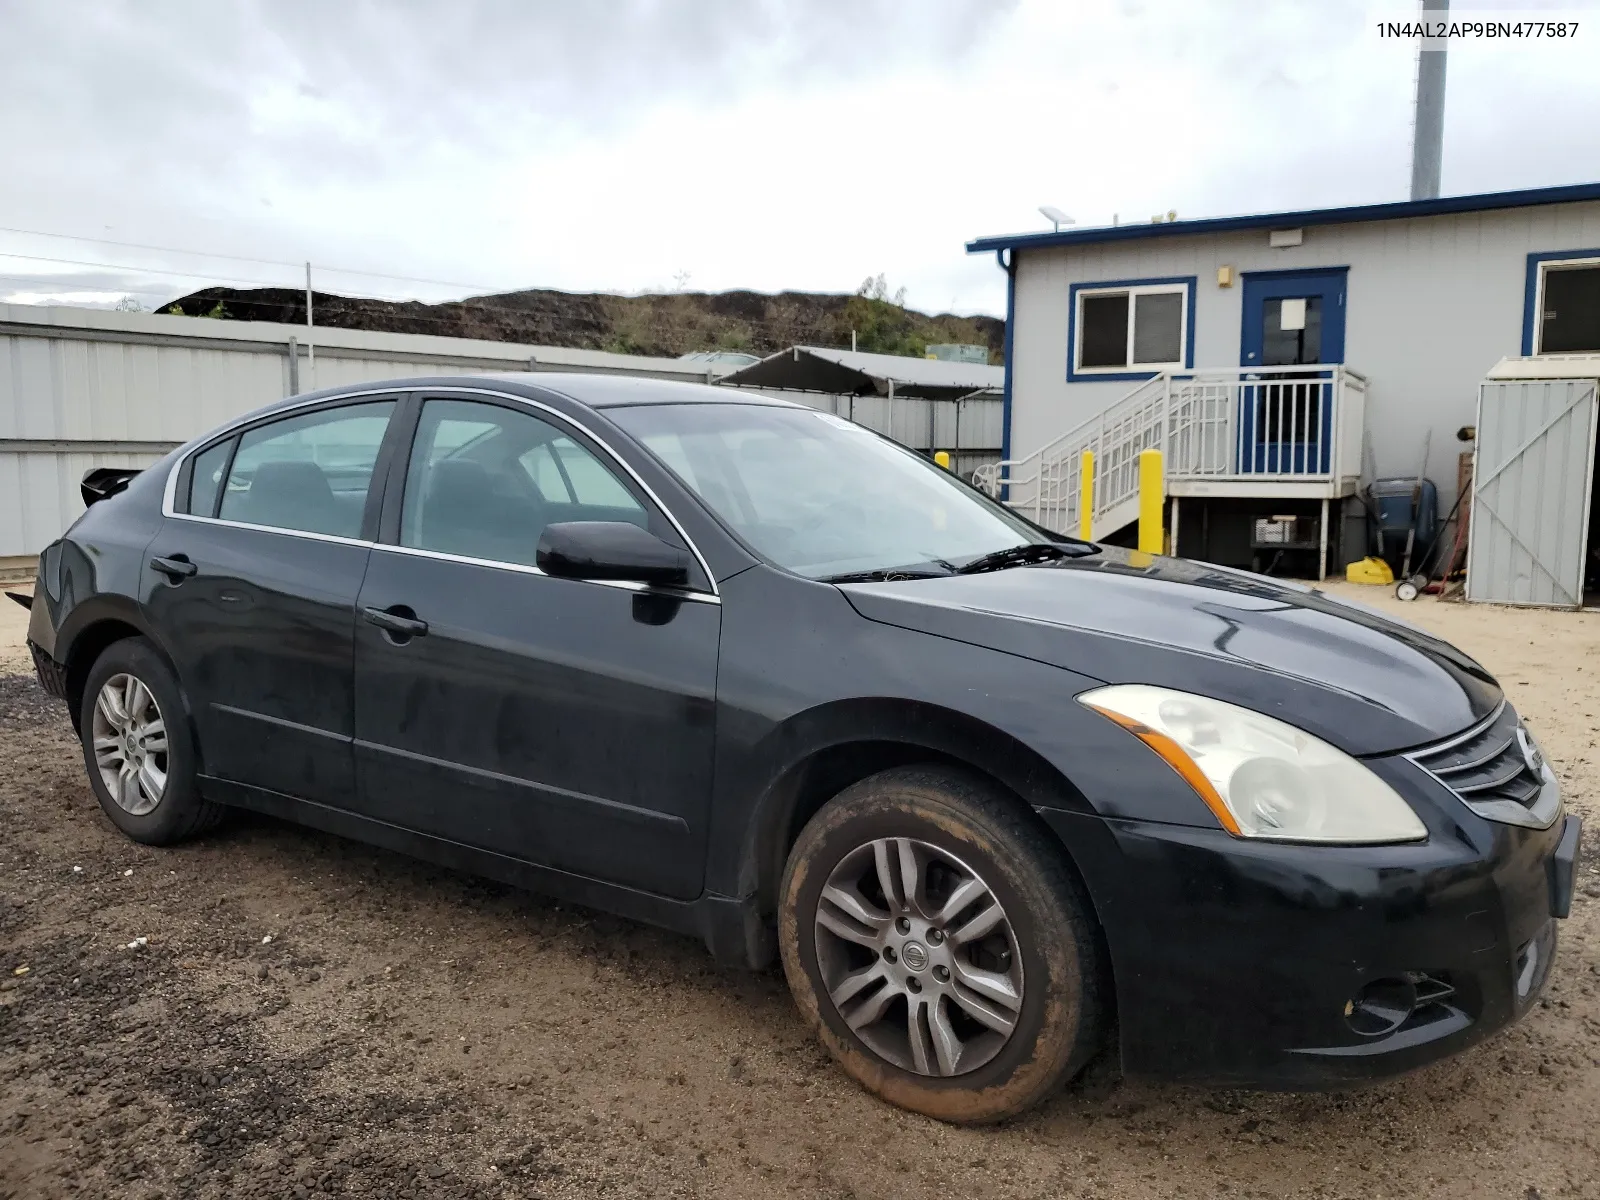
(819, 753)
(89, 631)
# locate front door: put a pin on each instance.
(564, 722)
(1291, 319)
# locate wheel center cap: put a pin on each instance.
(914, 955)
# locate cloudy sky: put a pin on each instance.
(625, 145)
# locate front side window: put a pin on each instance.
(1568, 319)
(308, 473)
(1124, 328)
(484, 481)
(818, 495)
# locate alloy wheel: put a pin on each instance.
(918, 957)
(130, 744)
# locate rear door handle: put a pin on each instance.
(397, 620)
(176, 568)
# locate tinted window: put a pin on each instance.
(205, 479)
(1570, 322)
(310, 472)
(1158, 327)
(1104, 336)
(484, 481)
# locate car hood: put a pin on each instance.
(1364, 682)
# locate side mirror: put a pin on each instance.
(610, 550)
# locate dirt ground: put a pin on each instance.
(301, 1016)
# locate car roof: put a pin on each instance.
(587, 389)
(616, 391)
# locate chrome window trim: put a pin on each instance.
(671, 593)
(1540, 815)
(169, 495)
(299, 533)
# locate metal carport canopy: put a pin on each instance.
(859, 373)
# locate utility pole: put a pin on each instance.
(1427, 137)
(311, 349)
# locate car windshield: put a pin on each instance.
(821, 496)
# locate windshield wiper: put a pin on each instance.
(886, 575)
(1016, 556)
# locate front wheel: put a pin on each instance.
(138, 749)
(940, 947)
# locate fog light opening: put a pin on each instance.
(1381, 1007)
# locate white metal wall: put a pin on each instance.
(1531, 488)
(1432, 304)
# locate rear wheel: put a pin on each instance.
(940, 947)
(138, 749)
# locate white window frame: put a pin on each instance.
(1545, 267)
(1132, 291)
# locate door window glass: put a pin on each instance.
(310, 472)
(485, 480)
(205, 478)
(1291, 331)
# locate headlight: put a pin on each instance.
(1261, 777)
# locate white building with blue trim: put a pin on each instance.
(1281, 360)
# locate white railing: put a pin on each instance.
(1264, 424)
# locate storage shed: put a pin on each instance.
(1534, 538)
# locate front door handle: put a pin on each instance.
(176, 568)
(397, 620)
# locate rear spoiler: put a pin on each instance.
(22, 599)
(101, 483)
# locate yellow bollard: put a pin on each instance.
(1152, 501)
(1086, 496)
(942, 458)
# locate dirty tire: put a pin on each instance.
(181, 811)
(1058, 1025)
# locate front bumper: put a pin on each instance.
(1250, 964)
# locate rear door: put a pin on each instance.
(564, 722)
(252, 587)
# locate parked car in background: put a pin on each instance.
(746, 670)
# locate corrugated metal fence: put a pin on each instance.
(82, 388)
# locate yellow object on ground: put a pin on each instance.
(1369, 570)
(1152, 500)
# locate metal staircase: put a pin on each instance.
(1268, 431)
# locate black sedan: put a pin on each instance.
(746, 670)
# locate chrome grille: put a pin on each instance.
(1497, 770)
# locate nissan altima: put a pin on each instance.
(998, 799)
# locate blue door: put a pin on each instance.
(1291, 319)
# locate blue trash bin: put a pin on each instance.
(1391, 515)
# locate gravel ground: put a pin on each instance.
(301, 1016)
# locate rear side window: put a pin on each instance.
(308, 473)
(205, 479)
